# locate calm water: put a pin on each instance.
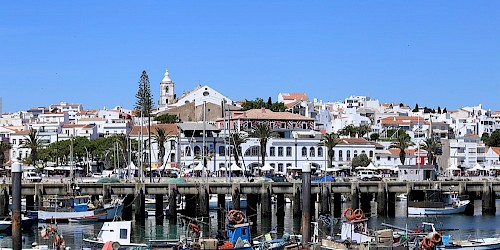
(465, 227)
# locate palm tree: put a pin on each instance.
(431, 146)
(263, 132)
(160, 138)
(4, 146)
(402, 143)
(330, 140)
(363, 130)
(33, 142)
(235, 140)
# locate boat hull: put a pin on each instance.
(103, 214)
(436, 211)
(479, 244)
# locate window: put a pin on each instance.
(280, 167)
(288, 151)
(288, 166)
(355, 153)
(320, 152)
(312, 152)
(188, 151)
(371, 154)
(272, 151)
(348, 155)
(123, 233)
(340, 156)
(272, 165)
(197, 150)
(222, 150)
(280, 151)
(253, 151)
(304, 152)
(14, 141)
(221, 166)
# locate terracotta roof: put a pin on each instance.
(289, 105)
(395, 151)
(294, 96)
(22, 132)
(267, 114)
(403, 120)
(170, 129)
(52, 113)
(496, 150)
(354, 141)
(73, 125)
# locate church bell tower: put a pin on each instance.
(166, 91)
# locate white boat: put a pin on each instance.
(449, 203)
(116, 232)
(475, 244)
(213, 202)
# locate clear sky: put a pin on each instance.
(434, 53)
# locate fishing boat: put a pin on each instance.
(116, 232)
(355, 234)
(437, 203)
(6, 224)
(63, 209)
(472, 244)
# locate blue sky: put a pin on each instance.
(434, 53)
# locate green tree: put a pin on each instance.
(363, 129)
(269, 103)
(349, 130)
(144, 103)
(236, 140)
(439, 110)
(167, 119)
(431, 146)
(374, 136)
(416, 108)
(360, 161)
(494, 140)
(4, 147)
(485, 137)
(263, 133)
(330, 140)
(445, 111)
(33, 142)
(259, 103)
(402, 143)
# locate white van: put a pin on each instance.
(369, 175)
(32, 176)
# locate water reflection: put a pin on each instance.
(143, 230)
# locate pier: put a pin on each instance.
(327, 195)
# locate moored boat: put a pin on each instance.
(437, 203)
(115, 233)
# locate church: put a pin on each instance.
(189, 107)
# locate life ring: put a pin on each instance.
(358, 214)
(236, 216)
(436, 238)
(194, 227)
(349, 213)
(427, 243)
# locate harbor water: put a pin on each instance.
(459, 227)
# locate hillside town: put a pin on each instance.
(214, 134)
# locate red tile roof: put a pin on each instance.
(403, 120)
(496, 150)
(267, 114)
(294, 96)
(170, 129)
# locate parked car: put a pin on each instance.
(276, 177)
(32, 176)
(369, 175)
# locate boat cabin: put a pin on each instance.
(76, 203)
(116, 231)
